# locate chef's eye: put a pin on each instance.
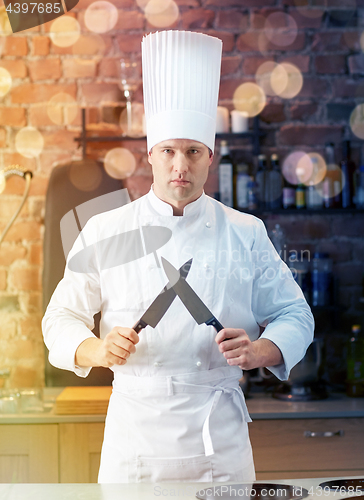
(167, 151)
(194, 151)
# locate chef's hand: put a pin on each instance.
(114, 349)
(240, 351)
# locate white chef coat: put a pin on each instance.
(176, 412)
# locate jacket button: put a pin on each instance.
(198, 363)
(157, 364)
(208, 224)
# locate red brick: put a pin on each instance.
(132, 20)
(129, 43)
(334, 64)
(60, 139)
(301, 61)
(24, 231)
(9, 254)
(253, 40)
(231, 20)
(3, 140)
(197, 19)
(15, 46)
(305, 20)
(314, 87)
(79, 68)
(101, 92)
(119, 4)
(239, 3)
(310, 135)
(345, 87)
(46, 27)
(38, 116)
(351, 40)
(108, 67)
(327, 41)
(36, 254)
(16, 68)
(33, 92)
(40, 45)
(228, 39)
(88, 44)
(230, 65)
(251, 64)
(356, 64)
(273, 113)
(3, 279)
(303, 110)
(228, 87)
(188, 3)
(50, 159)
(45, 69)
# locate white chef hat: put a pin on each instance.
(181, 76)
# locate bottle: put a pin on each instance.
(252, 194)
(274, 184)
(300, 196)
(359, 183)
(226, 170)
(300, 269)
(288, 195)
(313, 196)
(321, 279)
(261, 180)
(242, 179)
(278, 238)
(355, 363)
(328, 182)
(347, 169)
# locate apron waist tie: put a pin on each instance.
(236, 392)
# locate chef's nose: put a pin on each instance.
(180, 163)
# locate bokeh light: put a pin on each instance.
(5, 81)
(263, 77)
(297, 167)
(249, 97)
(286, 80)
(142, 3)
(137, 120)
(89, 44)
(120, 163)
(5, 28)
(2, 181)
(304, 7)
(357, 121)
(29, 142)
(161, 13)
(281, 29)
(65, 31)
(62, 109)
(362, 41)
(101, 17)
(85, 176)
(318, 169)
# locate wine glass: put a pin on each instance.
(128, 82)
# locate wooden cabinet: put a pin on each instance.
(29, 453)
(79, 452)
(282, 450)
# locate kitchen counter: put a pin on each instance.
(261, 407)
(141, 491)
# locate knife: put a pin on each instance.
(161, 303)
(189, 297)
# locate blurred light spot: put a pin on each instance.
(29, 142)
(2, 181)
(361, 41)
(142, 3)
(287, 80)
(357, 121)
(137, 120)
(5, 28)
(297, 167)
(86, 176)
(249, 97)
(318, 169)
(65, 31)
(280, 29)
(161, 13)
(62, 109)
(263, 77)
(90, 44)
(101, 17)
(304, 7)
(119, 163)
(5, 82)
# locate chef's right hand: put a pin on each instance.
(114, 349)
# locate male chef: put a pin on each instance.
(176, 412)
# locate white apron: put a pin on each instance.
(188, 427)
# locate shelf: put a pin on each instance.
(304, 211)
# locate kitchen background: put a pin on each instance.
(73, 64)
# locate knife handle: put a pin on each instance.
(139, 325)
(213, 322)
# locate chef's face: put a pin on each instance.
(180, 169)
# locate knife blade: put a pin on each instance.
(161, 303)
(198, 310)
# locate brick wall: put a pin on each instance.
(327, 50)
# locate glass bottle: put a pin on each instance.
(347, 169)
(226, 170)
(241, 181)
(300, 196)
(321, 279)
(355, 363)
(261, 180)
(274, 184)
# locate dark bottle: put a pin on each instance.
(301, 196)
(261, 180)
(355, 363)
(288, 194)
(348, 172)
(331, 185)
(274, 184)
(226, 170)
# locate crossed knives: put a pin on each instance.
(177, 285)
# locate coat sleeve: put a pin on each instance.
(278, 304)
(68, 320)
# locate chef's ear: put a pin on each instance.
(150, 156)
(211, 156)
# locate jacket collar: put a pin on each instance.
(163, 208)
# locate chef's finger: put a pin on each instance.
(228, 334)
(128, 333)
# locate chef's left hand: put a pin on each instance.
(239, 350)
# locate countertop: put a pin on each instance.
(261, 406)
(143, 491)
